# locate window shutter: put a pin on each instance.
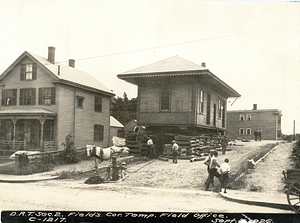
(21, 97)
(34, 71)
(14, 102)
(53, 96)
(3, 98)
(22, 74)
(33, 96)
(40, 96)
(101, 132)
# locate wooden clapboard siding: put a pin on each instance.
(266, 119)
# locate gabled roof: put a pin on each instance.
(63, 73)
(115, 123)
(177, 66)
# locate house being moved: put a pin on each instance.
(178, 96)
(42, 101)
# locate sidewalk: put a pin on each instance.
(277, 200)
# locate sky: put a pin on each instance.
(253, 46)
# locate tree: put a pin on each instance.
(123, 109)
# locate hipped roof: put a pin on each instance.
(176, 66)
(63, 73)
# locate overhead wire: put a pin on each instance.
(175, 44)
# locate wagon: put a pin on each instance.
(292, 181)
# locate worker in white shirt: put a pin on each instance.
(151, 148)
(225, 169)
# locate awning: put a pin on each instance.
(26, 113)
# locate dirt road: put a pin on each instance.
(161, 186)
(77, 196)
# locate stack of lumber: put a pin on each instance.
(191, 144)
(134, 142)
(137, 142)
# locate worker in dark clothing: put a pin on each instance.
(224, 143)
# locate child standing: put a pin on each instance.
(225, 169)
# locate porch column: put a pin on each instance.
(42, 121)
(14, 120)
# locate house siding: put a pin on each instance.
(267, 120)
(79, 121)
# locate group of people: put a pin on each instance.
(214, 169)
(257, 134)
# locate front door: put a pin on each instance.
(208, 110)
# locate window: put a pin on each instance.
(80, 101)
(165, 99)
(242, 117)
(220, 109)
(27, 96)
(241, 131)
(248, 117)
(201, 100)
(9, 97)
(47, 96)
(98, 132)
(223, 113)
(98, 104)
(248, 131)
(28, 72)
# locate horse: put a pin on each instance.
(99, 154)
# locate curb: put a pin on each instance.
(27, 180)
(258, 203)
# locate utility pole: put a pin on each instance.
(294, 130)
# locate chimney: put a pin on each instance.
(254, 107)
(71, 63)
(51, 54)
(203, 64)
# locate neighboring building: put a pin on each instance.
(116, 129)
(179, 96)
(241, 124)
(42, 101)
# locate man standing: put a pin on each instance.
(256, 134)
(224, 143)
(207, 163)
(151, 150)
(213, 171)
(175, 148)
(259, 134)
(225, 169)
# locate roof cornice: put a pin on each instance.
(77, 85)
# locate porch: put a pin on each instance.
(27, 130)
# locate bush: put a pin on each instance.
(70, 154)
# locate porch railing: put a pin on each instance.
(18, 144)
(49, 145)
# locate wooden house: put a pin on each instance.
(42, 101)
(178, 96)
(241, 124)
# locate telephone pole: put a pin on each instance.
(294, 131)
